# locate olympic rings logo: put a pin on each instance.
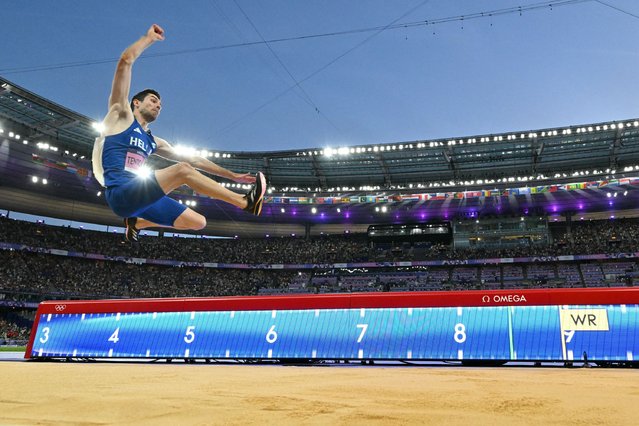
(60, 308)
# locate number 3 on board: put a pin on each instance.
(45, 332)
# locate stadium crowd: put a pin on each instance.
(591, 237)
(12, 333)
(27, 271)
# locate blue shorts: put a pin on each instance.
(144, 198)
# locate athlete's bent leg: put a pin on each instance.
(180, 174)
(190, 219)
(187, 220)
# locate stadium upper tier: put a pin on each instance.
(572, 168)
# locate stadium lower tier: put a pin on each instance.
(560, 325)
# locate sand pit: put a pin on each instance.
(152, 394)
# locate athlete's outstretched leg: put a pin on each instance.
(180, 174)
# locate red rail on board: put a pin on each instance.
(572, 296)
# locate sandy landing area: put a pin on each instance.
(175, 394)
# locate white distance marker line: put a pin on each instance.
(186, 353)
(192, 315)
(409, 354)
(623, 309)
(270, 353)
(75, 353)
(48, 317)
(570, 355)
(83, 315)
(410, 311)
(155, 315)
(460, 354)
(459, 311)
(40, 352)
(316, 312)
(629, 356)
(232, 314)
(362, 312)
(110, 353)
(273, 314)
(148, 353)
(360, 354)
(117, 317)
(314, 353)
(227, 354)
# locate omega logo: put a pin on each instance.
(505, 298)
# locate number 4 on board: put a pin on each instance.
(114, 337)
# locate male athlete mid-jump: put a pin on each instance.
(126, 142)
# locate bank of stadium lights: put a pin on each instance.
(494, 138)
(98, 126)
(46, 147)
(187, 151)
(144, 172)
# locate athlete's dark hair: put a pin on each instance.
(140, 96)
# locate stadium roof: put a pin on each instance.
(596, 152)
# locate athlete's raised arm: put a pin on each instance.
(119, 98)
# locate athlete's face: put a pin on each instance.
(150, 107)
